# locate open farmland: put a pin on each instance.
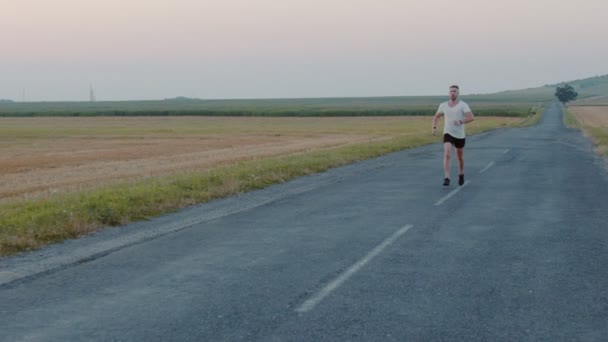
(363, 106)
(50, 155)
(64, 177)
(44, 156)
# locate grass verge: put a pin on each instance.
(600, 138)
(534, 117)
(569, 119)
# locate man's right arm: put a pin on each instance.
(435, 118)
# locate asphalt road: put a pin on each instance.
(375, 251)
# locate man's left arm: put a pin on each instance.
(468, 117)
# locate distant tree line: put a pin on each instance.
(184, 99)
(509, 111)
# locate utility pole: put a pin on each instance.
(91, 94)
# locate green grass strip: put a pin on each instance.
(570, 120)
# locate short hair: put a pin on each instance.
(454, 86)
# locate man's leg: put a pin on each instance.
(447, 148)
(460, 155)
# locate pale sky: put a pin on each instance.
(155, 49)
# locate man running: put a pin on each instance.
(456, 113)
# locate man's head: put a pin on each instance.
(454, 92)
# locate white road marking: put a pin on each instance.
(506, 151)
(329, 288)
(487, 167)
(452, 193)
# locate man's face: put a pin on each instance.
(454, 93)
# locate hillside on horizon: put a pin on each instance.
(588, 89)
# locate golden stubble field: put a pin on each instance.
(592, 116)
(594, 122)
(43, 156)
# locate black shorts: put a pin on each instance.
(458, 143)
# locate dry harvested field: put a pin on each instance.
(42, 156)
(594, 122)
(591, 116)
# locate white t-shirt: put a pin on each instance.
(454, 113)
